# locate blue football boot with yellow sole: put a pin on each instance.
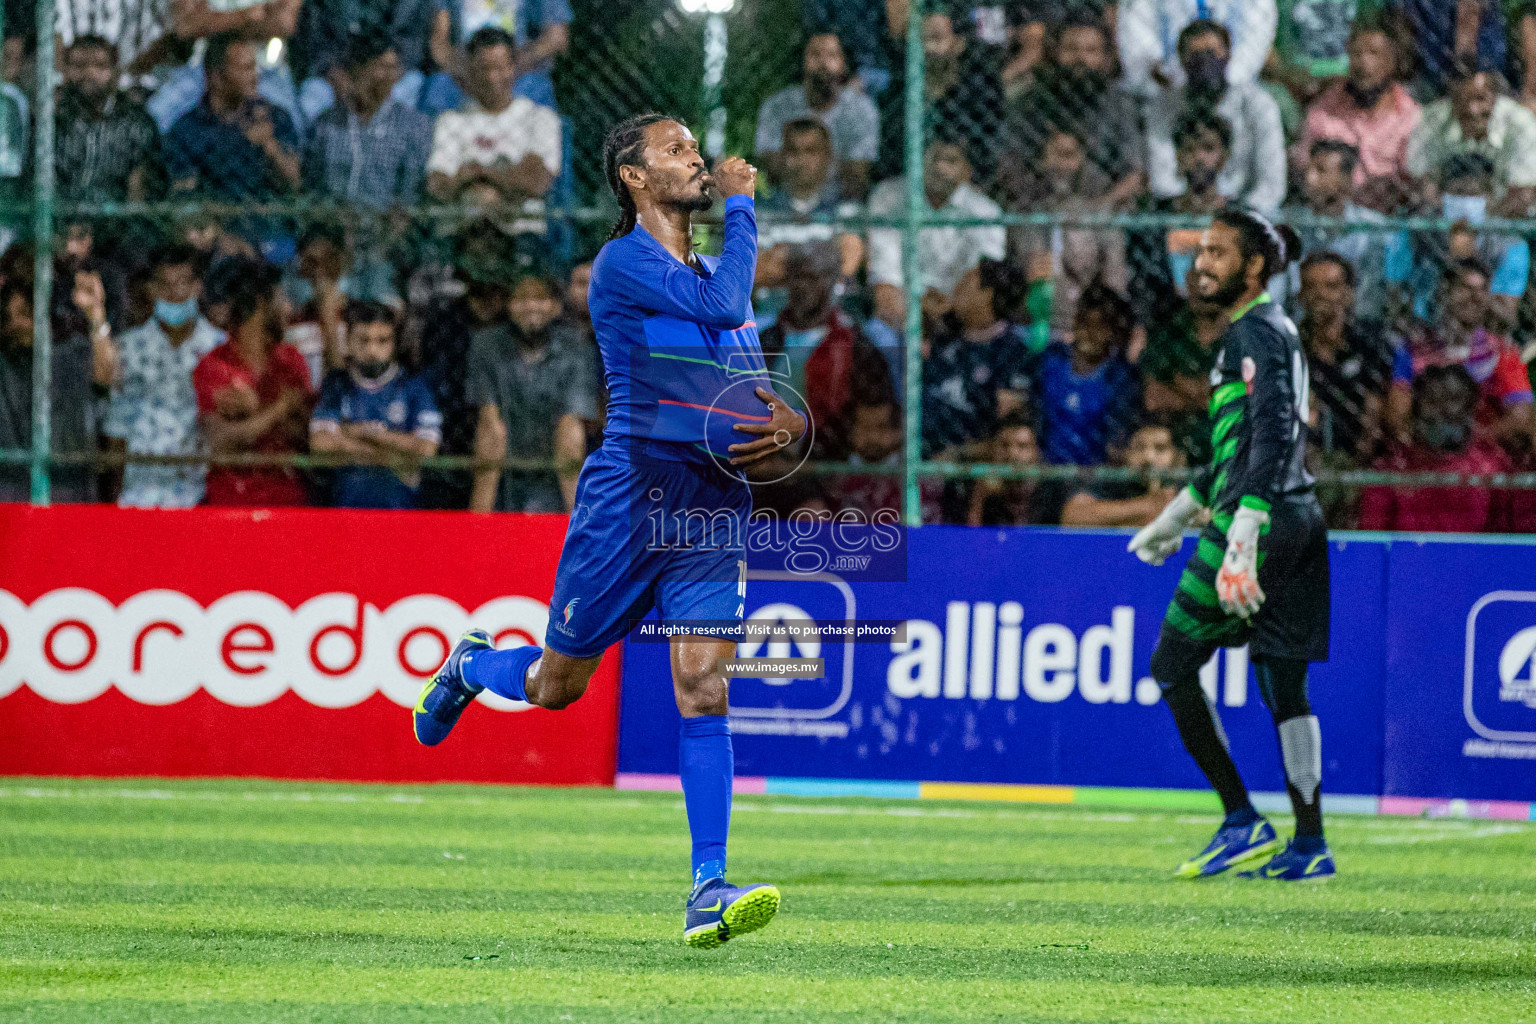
(1231, 846)
(1294, 864)
(447, 693)
(718, 912)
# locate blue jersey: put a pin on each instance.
(680, 349)
(1083, 415)
(401, 404)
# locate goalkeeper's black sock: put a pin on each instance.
(1203, 737)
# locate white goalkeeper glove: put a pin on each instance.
(1237, 581)
(1165, 534)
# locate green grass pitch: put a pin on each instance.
(256, 901)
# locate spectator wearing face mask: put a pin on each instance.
(1476, 119)
(372, 413)
(153, 410)
(1465, 185)
(1255, 171)
(1151, 45)
(1371, 111)
(1442, 439)
(1131, 502)
(533, 385)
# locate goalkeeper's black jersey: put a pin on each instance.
(1258, 414)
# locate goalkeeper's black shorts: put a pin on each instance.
(1293, 573)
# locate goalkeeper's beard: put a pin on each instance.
(1228, 291)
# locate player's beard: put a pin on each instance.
(1228, 290)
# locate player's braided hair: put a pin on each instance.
(625, 144)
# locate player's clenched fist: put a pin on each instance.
(735, 177)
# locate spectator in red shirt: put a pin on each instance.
(254, 395)
(1460, 338)
(1445, 401)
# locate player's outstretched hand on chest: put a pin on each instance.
(783, 429)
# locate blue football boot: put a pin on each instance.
(1230, 846)
(1294, 865)
(447, 694)
(718, 911)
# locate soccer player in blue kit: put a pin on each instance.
(690, 404)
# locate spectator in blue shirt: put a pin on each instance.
(542, 31)
(233, 145)
(1087, 393)
(374, 414)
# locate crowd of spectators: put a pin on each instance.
(352, 333)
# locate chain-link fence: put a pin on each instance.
(978, 227)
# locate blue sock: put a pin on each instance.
(1241, 817)
(707, 766)
(501, 672)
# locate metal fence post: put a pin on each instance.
(916, 119)
(42, 239)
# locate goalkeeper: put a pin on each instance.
(1260, 573)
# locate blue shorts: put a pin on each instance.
(661, 528)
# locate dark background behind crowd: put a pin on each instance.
(369, 254)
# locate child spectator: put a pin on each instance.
(254, 395)
(1443, 439)
(373, 413)
(154, 405)
(1131, 502)
(533, 384)
(1086, 392)
(1460, 337)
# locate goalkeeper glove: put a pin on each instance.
(1165, 534)
(1237, 582)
